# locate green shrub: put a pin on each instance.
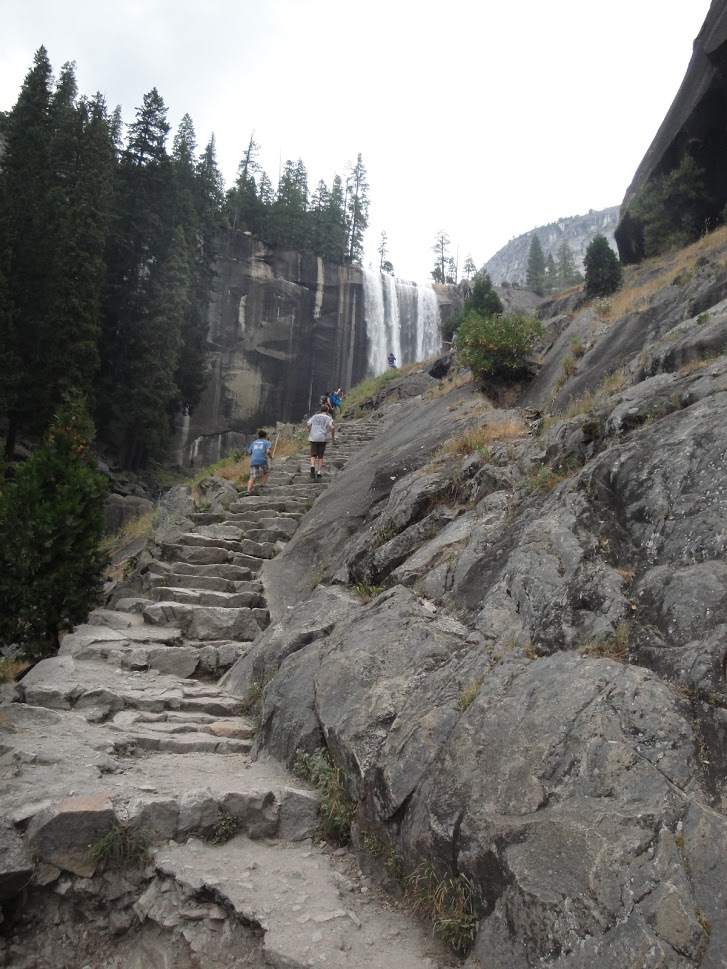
(496, 345)
(604, 272)
(51, 529)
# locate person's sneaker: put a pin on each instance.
(312, 471)
(319, 474)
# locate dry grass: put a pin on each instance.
(481, 437)
(612, 383)
(637, 295)
(448, 384)
(10, 669)
(140, 527)
(616, 648)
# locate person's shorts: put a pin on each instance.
(317, 449)
(259, 470)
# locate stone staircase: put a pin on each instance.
(145, 739)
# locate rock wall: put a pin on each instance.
(695, 122)
(284, 327)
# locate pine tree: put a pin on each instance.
(441, 248)
(566, 264)
(144, 202)
(357, 210)
(469, 267)
(26, 244)
(535, 273)
(142, 420)
(79, 269)
(51, 525)
(604, 273)
(551, 273)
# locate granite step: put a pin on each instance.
(206, 597)
(208, 622)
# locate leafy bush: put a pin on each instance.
(604, 273)
(496, 345)
(51, 528)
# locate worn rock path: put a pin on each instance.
(127, 727)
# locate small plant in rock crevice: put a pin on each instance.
(337, 808)
(616, 647)
(366, 592)
(120, 848)
(468, 695)
(225, 830)
(448, 902)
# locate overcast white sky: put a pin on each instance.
(484, 119)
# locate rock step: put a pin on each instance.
(179, 721)
(262, 502)
(264, 518)
(263, 550)
(206, 597)
(209, 622)
(197, 555)
(237, 573)
(194, 658)
(303, 904)
(115, 619)
(177, 580)
(182, 744)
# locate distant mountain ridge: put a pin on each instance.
(509, 264)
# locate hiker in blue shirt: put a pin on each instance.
(259, 452)
(335, 399)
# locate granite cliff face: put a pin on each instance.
(285, 327)
(511, 262)
(694, 123)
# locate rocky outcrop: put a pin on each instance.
(510, 263)
(694, 124)
(533, 700)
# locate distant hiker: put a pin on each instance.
(335, 398)
(325, 400)
(320, 425)
(259, 457)
(392, 360)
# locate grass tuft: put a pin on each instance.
(615, 648)
(337, 808)
(120, 848)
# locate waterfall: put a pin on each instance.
(401, 318)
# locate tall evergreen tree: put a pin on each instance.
(535, 273)
(441, 249)
(469, 267)
(142, 421)
(357, 210)
(26, 243)
(142, 226)
(79, 268)
(566, 264)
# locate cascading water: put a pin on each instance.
(401, 318)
